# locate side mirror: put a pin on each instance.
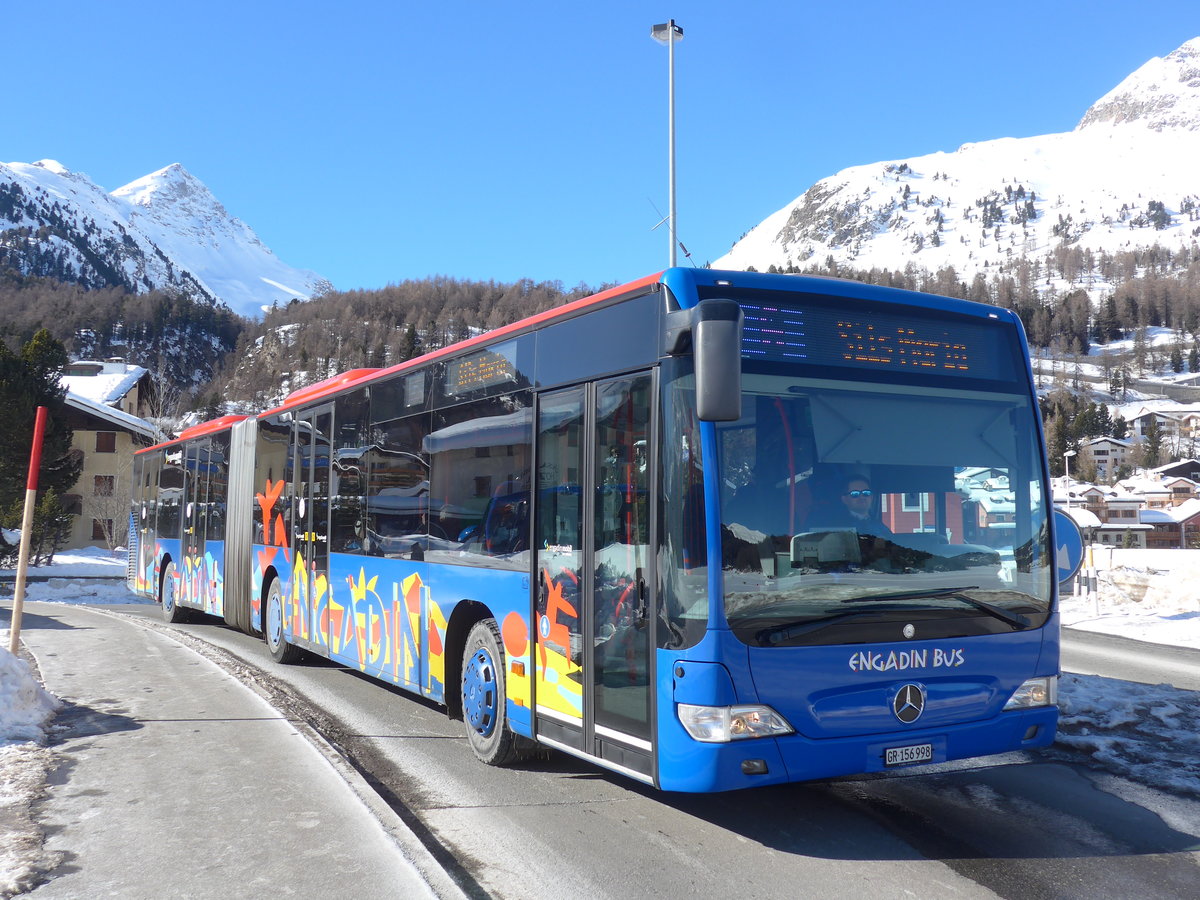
(717, 355)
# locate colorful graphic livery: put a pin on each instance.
(711, 530)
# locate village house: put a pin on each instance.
(103, 402)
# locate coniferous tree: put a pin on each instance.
(28, 380)
(1153, 446)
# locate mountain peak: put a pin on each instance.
(172, 185)
(1162, 95)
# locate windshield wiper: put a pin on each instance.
(777, 634)
(955, 593)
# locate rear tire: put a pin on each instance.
(171, 610)
(281, 650)
(483, 698)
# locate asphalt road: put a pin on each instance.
(1020, 825)
(1088, 653)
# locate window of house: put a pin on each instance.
(106, 442)
(104, 485)
(101, 529)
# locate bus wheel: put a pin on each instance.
(483, 702)
(171, 610)
(281, 650)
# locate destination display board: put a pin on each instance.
(479, 370)
(824, 334)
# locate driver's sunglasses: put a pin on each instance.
(866, 493)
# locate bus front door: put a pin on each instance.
(308, 607)
(593, 660)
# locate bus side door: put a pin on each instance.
(593, 659)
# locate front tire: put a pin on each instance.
(483, 698)
(171, 610)
(281, 650)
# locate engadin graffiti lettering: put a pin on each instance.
(895, 661)
(396, 634)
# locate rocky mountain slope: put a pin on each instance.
(165, 232)
(1125, 179)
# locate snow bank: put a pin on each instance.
(1149, 595)
(1147, 733)
(24, 704)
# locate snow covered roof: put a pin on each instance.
(103, 382)
(1108, 440)
(1084, 518)
(115, 416)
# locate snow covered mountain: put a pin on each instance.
(165, 231)
(1125, 179)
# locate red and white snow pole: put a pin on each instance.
(35, 463)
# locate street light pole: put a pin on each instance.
(668, 33)
(1067, 468)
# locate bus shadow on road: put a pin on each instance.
(1031, 811)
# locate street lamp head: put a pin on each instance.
(666, 32)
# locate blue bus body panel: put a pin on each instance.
(202, 579)
(839, 700)
(847, 690)
(167, 548)
(388, 618)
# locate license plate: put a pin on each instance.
(907, 756)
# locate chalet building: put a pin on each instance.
(1177, 527)
(1186, 468)
(1109, 455)
(103, 402)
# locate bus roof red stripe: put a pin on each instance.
(210, 427)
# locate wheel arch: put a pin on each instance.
(466, 613)
(163, 564)
(269, 575)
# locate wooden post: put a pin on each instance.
(35, 463)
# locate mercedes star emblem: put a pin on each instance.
(909, 703)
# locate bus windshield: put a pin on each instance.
(848, 505)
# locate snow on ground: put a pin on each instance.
(77, 576)
(1148, 595)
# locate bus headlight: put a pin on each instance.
(1035, 692)
(721, 724)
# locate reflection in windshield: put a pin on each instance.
(836, 494)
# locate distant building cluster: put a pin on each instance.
(1156, 509)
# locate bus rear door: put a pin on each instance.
(308, 605)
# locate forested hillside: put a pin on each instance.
(305, 342)
(1157, 286)
(181, 340)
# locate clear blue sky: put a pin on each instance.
(378, 141)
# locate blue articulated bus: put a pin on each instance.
(711, 530)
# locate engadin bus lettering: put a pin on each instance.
(893, 661)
